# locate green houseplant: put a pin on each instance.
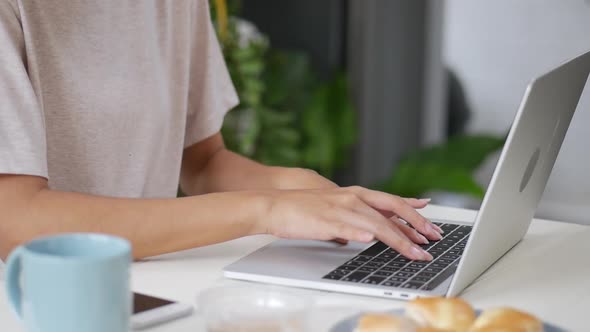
(287, 116)
(447, 167)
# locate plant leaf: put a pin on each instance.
(415, 179)
(466, 152)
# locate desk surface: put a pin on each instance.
(547, 274)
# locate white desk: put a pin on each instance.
(547, 274)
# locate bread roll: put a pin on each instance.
(385, 323)
(506, 320)
(452, 314)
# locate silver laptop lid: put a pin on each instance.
(524, 167)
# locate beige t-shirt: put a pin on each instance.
(102, 97)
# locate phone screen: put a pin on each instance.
(142, 302)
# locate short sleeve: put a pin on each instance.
(211, 91)
(23, 148)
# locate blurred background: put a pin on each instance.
(413, 97)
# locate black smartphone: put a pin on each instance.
(150, 310)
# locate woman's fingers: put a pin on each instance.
(397, 240)
(350, 214)
(411, 233)
(417, 203)
(396, 204)
(343, 231)
(420, 203)
(365, 217)
(387, 214)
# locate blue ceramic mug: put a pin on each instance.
(71, 283)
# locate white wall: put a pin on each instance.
(496, 47)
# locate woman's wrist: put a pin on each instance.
(257, 205)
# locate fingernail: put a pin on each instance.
(434, 232)
(423, 239)
(366, 237)
(416, 253)
(439, 229)
(427, 255)
(427, 200)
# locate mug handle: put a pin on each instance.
(13, 272)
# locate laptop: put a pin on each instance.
(466, 250)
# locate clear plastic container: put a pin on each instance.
(253, 308)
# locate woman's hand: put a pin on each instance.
(353, 213)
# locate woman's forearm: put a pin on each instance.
(157, 226)
(154, 226)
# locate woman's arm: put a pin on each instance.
(154, 226)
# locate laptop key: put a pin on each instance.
(412, 285)
(373, 280)
(389, 283)
(454, 236)
(362, 258)
(444, 261)
(467, 228)
(451, 257)
(437, 265)
(436, 252)
(401, 260)
(418, 265)
(332, 276)
(378, 260)
(396, 265)
(448, 243)
(433, 269)
(349, 267)
(386, 256)
(420, 279)
(463, 230)
(445, 246)
(391, 252)
(425, 274)
(452, 252)
(410, 270)
(382, 273)
(340, 272)
(353, 263)
(397, 280)
(367, 269)
(355, 276)
(404, 275)
(390, 269)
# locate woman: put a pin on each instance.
(108, 105)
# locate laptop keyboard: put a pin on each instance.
(381, 265)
